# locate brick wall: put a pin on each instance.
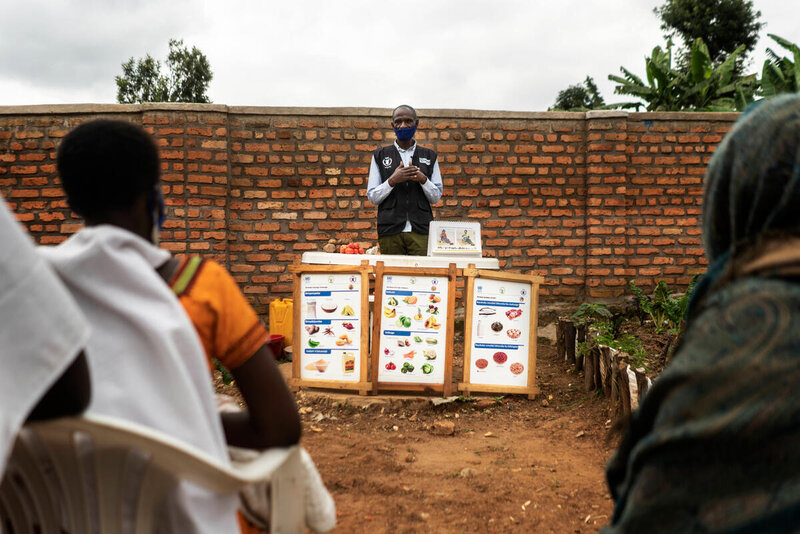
(589, 200)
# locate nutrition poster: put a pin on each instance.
(413, 325)
(500, 332)
(331, 327)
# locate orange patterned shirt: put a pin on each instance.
(228, 327)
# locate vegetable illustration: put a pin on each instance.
(344, 339)
(409, 355)
(312, 329)
(403, 343)
(431, 340)
(417, 339)
(313, 343)
(347, 325)
(390, 366)
(407, 368)
(427, 368)
(429, 354)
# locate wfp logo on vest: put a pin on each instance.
(426, 161)
(387, 162)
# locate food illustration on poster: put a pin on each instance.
(413, 329)
(501, 331)
(331, 320)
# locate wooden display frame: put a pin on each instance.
(451, 274)
(363, 386)
(472, 274)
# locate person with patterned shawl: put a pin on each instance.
(715, 445)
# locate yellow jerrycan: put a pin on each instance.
(280, 319)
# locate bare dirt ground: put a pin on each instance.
(510, 465)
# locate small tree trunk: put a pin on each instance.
(569, 342)
(589, 371)
(581, 338)
(606, 369)
(624, 389)
(560, 347)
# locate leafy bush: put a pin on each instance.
(667, 313)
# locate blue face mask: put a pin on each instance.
(404, 134)
(157, 207)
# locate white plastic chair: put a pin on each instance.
(97, 474)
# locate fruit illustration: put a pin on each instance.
(389, 312)
(392, 301)
(347, 311)
(403, 321)
(418, 316)
(434, 298)
(410, 299)
(430, 322)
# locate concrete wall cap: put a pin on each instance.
(724, 116)
(605, 114)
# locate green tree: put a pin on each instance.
(187, 78)
(579, 97)
(781, 74)
(701, 87)
(723, 25)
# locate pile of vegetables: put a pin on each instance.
(351, 248)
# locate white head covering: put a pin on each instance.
(147, 364)
(41, 333)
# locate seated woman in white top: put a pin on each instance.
(41, 339)
(147, 363)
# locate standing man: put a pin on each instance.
(404, 181)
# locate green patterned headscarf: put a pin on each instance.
(752, 187)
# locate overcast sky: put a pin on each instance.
(465, 54)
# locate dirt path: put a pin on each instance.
(511, 465)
